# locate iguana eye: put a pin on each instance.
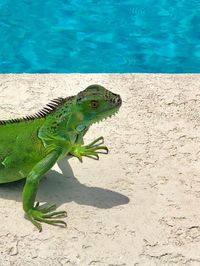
(94, 104)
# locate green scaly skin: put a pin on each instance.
(30, 146)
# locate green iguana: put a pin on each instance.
(31, 145)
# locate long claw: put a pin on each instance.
(97, 156)
(92, 157)
(57, 214)
(101, 148)
(95, 142)
(34, 222)
(48, 209)
(91, 153)
(53, 222)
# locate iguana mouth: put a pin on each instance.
(117, 101)
(109, 113)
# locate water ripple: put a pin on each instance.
(100, 36)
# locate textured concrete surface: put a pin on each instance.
(138, 205)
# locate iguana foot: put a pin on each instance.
(90, 150)
(46, 216)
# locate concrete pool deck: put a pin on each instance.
(138, 205)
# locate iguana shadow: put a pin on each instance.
(61, 188)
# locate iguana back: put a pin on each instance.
(20, 146)
(20, 149)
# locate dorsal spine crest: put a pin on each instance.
(46, 110)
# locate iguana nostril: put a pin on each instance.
(118, 100)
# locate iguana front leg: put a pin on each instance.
(33, 212)
(91, 149)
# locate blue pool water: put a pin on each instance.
(99, 36)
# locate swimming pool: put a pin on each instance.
(99, 36)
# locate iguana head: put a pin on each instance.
(96, 103)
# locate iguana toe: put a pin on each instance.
(50, 208)
(44, 215)
(96, 142)
(90, 150)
